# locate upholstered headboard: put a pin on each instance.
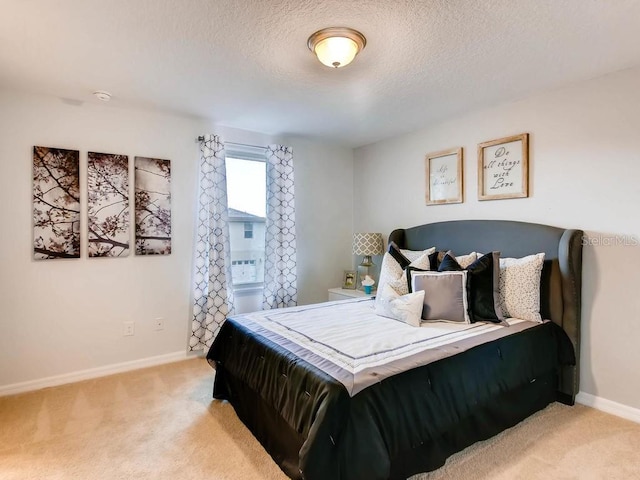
(560, 289)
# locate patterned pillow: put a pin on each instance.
(520, 287)
(413, 255)
(404, 308)
(392, 274)
(465, 260)
(445, 295)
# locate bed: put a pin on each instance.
(390, 424)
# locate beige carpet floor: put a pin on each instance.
(161, 423)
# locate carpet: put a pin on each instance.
(161, 423)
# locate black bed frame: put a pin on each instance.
(561, 283)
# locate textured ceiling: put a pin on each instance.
(245, 64)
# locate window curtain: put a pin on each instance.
(213, 301)
(280, 280)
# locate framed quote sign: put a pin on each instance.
(503, 168)
(443, 171)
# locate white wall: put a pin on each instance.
(63, 316)
(324, 216)
(585, 173)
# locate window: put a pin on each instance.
(248, 230)
(247, 197)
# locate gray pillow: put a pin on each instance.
(445, 295)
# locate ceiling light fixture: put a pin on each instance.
(336, 46)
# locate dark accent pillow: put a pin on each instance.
(448, 263)
(483, 286)
(398, 256)
(434, 260)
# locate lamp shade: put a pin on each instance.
(368, 244)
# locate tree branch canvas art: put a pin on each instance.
(153, 206)
(56, 203)
(108, 205)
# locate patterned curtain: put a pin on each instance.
(280, 281)
(212, 265)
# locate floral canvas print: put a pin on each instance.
(56, 203)
(108, 205)
(153, 206)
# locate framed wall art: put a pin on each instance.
(503, 168)
(153, 206)
(56, 203)
(108, 205)
(443, 172)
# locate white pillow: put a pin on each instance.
(520, 287)
(405, 308)
(391, 273)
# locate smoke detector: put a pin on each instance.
(102, 95)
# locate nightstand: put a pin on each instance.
(343, 294)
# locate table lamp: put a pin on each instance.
(367, 244)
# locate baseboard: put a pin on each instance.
(609, 406)
(90, 373)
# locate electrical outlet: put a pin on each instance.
(159, 322)
(128, 328)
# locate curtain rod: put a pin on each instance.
(201, 138)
